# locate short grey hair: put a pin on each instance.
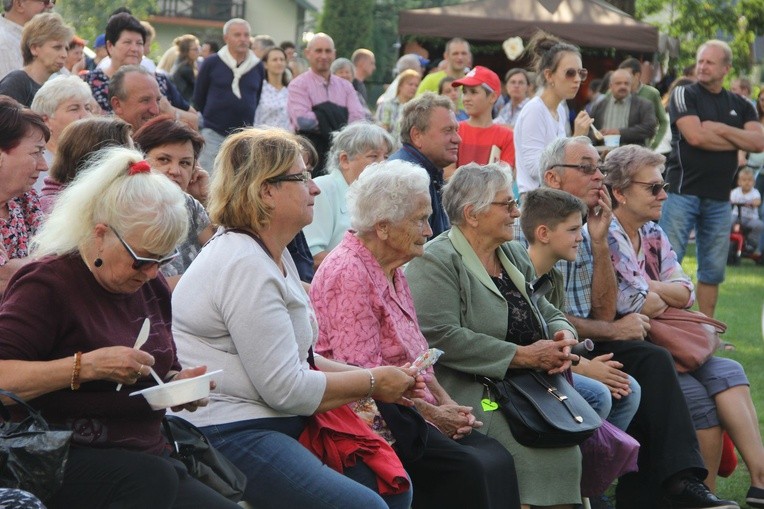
(408, 61)
(385, 191)
(719, 44)
(477, 185)
(623, 163)
(235, 21)
(417, 113)
(105, 192)
(554, 153)
(342, 63)
(7, 5)
(355, 139)
(117, 82)
(58, 90)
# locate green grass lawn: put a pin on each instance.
(741, 298)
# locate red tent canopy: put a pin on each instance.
(587, 23)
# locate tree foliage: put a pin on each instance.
(695, 21)
(89, 17)
(350, 23)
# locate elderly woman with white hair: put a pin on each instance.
(97, 259)
(60, 102)
(473, 301)
(353, 148)
(366, 318)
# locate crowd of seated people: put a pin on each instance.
(119, 203)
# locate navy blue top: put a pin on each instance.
(438, 220)
(222, 111)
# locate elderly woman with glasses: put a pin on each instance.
(473, 302)
(97, 259)
(241, 307)
(545, 117)
(366, 318)
(650, 280)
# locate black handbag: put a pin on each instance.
(543, 410)
(32, 456)
(203, 461)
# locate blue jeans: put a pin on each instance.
(282, 473)
(712, 222)
(618, 411)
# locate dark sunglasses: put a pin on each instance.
(509, 204)
(586, 169)
(571, 73)
(140, 262)
(654, 187)
(303, 177)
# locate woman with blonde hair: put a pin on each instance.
(241, 307)
(43, 45)
(185, 68)
(388, 113)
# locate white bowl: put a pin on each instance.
(178, 392)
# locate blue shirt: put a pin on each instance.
(438, 220)
(223, 112)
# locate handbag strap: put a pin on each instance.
(6, 415)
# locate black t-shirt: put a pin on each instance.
(20, 86)
(695, 171)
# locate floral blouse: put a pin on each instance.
(363, 319)
(198, 220)
(21, 224)
(656, 260)
(272, 108)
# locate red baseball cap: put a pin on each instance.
(480, 76)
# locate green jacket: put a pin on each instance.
(652, 95)
(461, 311)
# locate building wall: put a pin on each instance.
(277, 18)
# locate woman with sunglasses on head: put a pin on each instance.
(545, 117)
(472, 299)
(650, 280)
(241, 307)
(95, 280)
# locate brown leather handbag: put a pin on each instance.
(690, 337)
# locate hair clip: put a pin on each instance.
(139, 167)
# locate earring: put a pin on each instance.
(98, 262)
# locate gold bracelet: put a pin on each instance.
(75, 383)
(372, 384)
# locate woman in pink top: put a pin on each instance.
(366, 317)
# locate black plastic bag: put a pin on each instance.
(203, 461)
(32, 456)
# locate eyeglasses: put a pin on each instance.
(509, 204)
(140, 262)
(571, 73)
(654, 187)
(586, 169)
(303, 177)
